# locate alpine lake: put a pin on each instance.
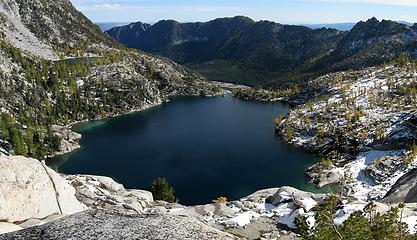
(206, 147)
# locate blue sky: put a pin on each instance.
(283, 11)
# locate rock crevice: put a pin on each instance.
(54, 187)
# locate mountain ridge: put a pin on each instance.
(234, 43)
(264, 53)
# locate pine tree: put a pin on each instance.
(162, 190)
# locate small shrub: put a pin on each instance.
(162, 190)
(220, 200)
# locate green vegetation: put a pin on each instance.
(411, 153)
(162, 190)
(52, 96)
(266, 95)
(278, 121)
(326, 162)
(361, 225)
(289, 133)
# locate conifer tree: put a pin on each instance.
(162, 190)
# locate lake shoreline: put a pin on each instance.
(227, 90)
(240, 101)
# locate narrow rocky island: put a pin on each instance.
(353, 98)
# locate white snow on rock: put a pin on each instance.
(288, 219)
(307, 203)
(288, 204)
(343, 214)
(411, 222)
(244, 218)
(365, 188)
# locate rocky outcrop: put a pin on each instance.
(30, 190)
(119, 213)
(286, 194)
(404, 190)
(104, 193)
(363, 126)
(69, 139)
(254, 216)
(96, 224)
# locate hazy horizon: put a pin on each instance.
(301, 23)
(282, 11)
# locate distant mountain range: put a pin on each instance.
(104, 26)
(232, 49)
(338, 26)
(265, 53)
(347, 26)
(342, 26)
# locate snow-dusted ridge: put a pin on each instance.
(363, 122)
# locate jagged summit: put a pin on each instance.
(372, 20)
(371, 43)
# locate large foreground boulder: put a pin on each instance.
(98, 224)
(31, 190)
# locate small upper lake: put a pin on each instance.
(206, 147)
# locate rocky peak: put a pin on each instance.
(372, 20)
(374, 28)
(43, 28)
(137, 29)
(13, 30)
(167, 25)
(234, 20)
(371, 43)
(59, 22)
(139, 26)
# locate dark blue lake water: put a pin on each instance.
(206, 147)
